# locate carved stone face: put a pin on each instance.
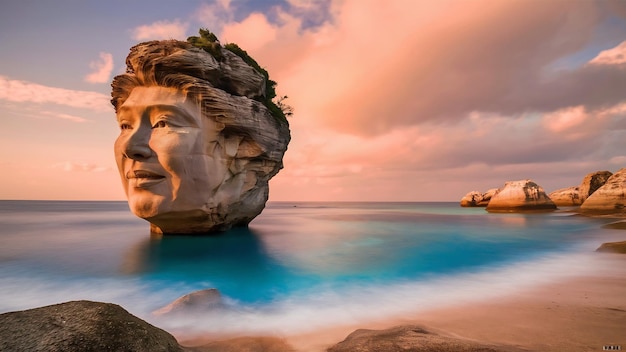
(165, 155)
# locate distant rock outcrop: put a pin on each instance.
(193, 302)
(406, 338)
(81, 326)
(523, 195)
(613, 247)
(574, 196)
(566, 197)
(477, 199)
(472, 199)
(610, 199)
(592, 182)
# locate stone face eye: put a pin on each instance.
(125, 126)
(160, 124)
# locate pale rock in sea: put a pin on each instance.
(566, 197)
(196, 301)
(610, 199)
(522, 195)
(471, 199)
(477, 199)
(592, 182)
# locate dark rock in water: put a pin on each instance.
(193, 302)
(407, 338)
(613, 247)
(81, 326)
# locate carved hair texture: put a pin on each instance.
(226, 90)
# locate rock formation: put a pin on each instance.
(613, 247)
(193, 302)
(574, 196)
(523, 195)
(217, 145)
(592, 182)
(406, 338)
(610, 199)
(566, 197)
(477, 199)
(472, 199)
(81, 326)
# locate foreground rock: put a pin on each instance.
(194, 302)
(408, 338)
(523, 195)
(613, 247)
(81, 326)
(610, 199)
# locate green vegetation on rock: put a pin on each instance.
(209, 43)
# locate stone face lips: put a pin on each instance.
(610, 198)
(81, 326)
(523, 195)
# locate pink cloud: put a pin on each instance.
(101, 69)
(613, 56)
(161, 30)
(24, 91)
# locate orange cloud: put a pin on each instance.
(161, 30)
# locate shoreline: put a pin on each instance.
(580, 313)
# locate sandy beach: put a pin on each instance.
(575, 314)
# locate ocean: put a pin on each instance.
(298, 267)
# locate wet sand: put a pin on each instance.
(580, 314)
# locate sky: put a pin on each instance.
(395, 100)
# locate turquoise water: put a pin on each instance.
(298, 264)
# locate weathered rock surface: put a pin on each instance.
(592, 182)
(407, 338)
(81, 326)
(477, 199)
(566, 197)
(610, 199)
(196, 301)
(523, 195)
(613, 247)
(472, 199)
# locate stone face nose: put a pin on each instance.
(137, 146)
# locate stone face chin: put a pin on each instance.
(523, 195)
(197, 146)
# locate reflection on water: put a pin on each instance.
(297, 263)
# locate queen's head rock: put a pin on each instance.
(200, 134)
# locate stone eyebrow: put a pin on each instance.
(179, 111)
